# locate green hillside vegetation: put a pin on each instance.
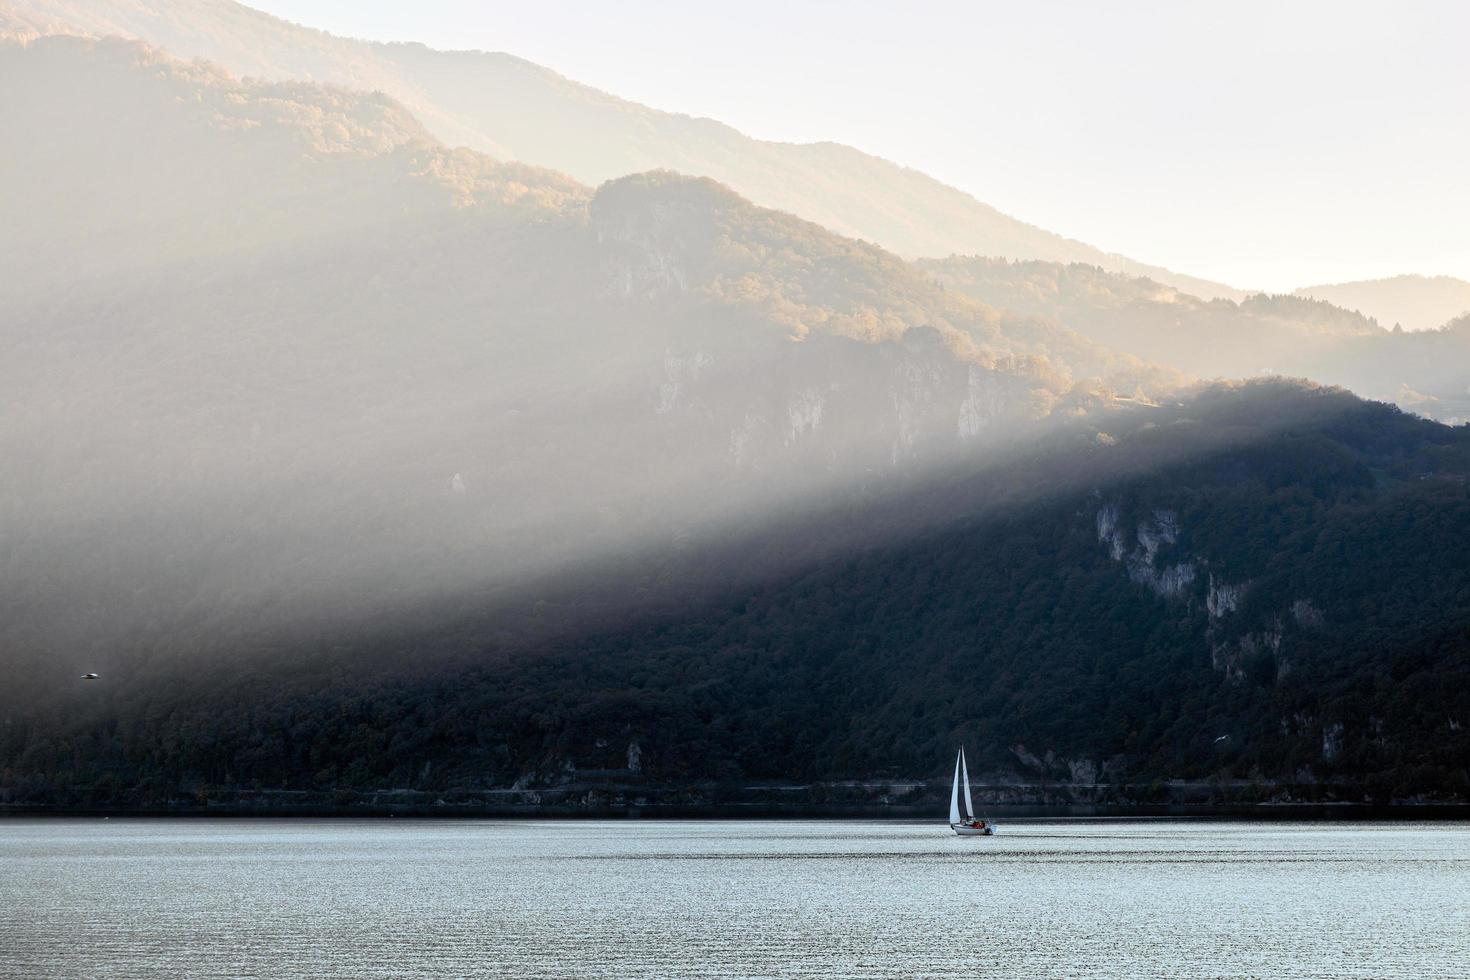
(1340, 669)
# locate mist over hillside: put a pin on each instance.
(512, 109)
(357, 463)
(1259, 588)
(1427, 372)
(127, 163)
(275, 354)
(1412, 302)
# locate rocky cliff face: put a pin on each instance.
(783, 342)
(1152, 557)
(1252, 637)
(838, 404)
(1140, 553)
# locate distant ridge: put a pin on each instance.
(511, 108)
(1426, 372)
(1413, 302)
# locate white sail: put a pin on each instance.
(965, 775)
(954, 793)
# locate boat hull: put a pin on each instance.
(964, 831)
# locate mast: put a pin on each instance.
(954, 792)
(965, 772)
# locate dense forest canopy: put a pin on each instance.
(1262, 584)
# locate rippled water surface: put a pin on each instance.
(391, 898)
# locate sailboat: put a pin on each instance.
(965, 823)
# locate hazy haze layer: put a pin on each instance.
(272, 346)
(1261, 144)
(1413, 302)
(1427, 372)
(510, 108)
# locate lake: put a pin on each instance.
(394, 898)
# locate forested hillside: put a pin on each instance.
(308, 362)
(353, 463)
(1262, 586)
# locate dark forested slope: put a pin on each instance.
(1264, 586)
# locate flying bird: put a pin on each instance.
(1221, 739)
(89, 677)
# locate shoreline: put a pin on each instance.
(1266, 812)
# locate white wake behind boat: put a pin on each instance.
(964, 822)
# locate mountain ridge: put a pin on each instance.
(511, 108)
(1426, 371)
(1415, 302)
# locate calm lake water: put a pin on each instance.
(395, 898)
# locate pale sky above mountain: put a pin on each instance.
(1260, 144)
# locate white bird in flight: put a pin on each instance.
(89, 677)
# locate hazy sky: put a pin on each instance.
(1267, 145)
